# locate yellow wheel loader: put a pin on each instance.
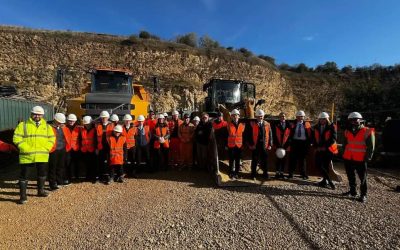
(112, 90)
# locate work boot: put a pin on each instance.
(41, 191)
(350, 193)
(322, 183)
(362, 198)
(53, 186)
(332, 185)
(22, 192)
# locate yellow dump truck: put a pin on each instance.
(112, 90)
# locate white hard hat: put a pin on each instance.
(104, 114)
(196, 118)
(280, 153)
(86, 120)
(165, 115)
(140, 118)
(235, 112)
(354, 115)
(175, 112)
(118, 128)
(114, 118)
(60, 117)
(300, 113)
(161, 116)
(260, 112)
(38, 110)
(72, 117)
(127, 117)
(323, 115)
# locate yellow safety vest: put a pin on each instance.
(34, 143)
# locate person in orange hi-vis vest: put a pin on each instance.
(359, 148)
(324, 142)
(58, 152)
(129, 131)
(175, 141)
(260, 143)
(72, 157)
(235, 143)
(117, 155)
(281, 134)
(161, 144)
(88, 146)
(7, 148)
(300, 142)
(103, 130)
(185, 133)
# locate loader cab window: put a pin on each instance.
(227, 92)
(248, 90)
(111, 82)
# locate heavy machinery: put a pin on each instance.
(112, 90)
(224, 95)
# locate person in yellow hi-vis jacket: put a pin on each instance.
(34, 139)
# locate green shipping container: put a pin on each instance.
(13, 111)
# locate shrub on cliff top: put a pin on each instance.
(189, 39)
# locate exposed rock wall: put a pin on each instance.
(30, 59)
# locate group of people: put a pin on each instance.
(107, 149)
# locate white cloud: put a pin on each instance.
(308, 38)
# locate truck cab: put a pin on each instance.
(112, 90)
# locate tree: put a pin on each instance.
(267, 59)
(146, 35)
(328, 67)
(301, 68)
(284, 66)
(208, 43)
(189, 39)
(245, 52)
(348, 69)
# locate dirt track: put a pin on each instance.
(185, 210)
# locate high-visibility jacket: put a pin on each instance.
(34, 143)
(130, 134)
(67, 138)
(235, 135)
(116, 149)
(151, 123)
(333, 148)
(74, 133)
(282, 137)
(307, 128)
(356, 147)
(267, 131)
(5, 147)
(174, 127)
(88, 140)
(146, 133)
(161, 132)
(186, 132)
(99, 132)
(219, 125)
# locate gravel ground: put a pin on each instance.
(184, 209)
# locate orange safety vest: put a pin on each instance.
(282, 137)
(67, 138)
(220, 125)
(333, 148)
(267, 128)
(186, 132)
(99, 130)
(356, 148)
(151, 123)
(130, 136)
(235, 136)
(74, 137)
(87, 140)
(161, 132)
(171, 125)
(116, 150)
(307, 128)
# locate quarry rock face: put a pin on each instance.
(30, 59)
